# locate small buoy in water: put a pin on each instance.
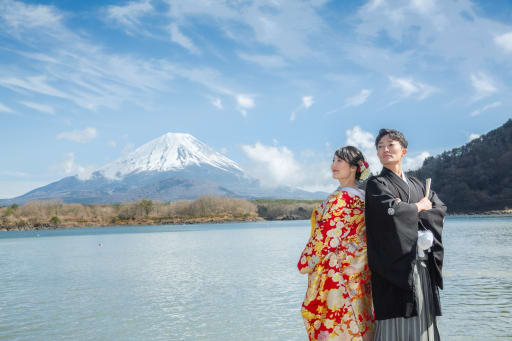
(99, 244)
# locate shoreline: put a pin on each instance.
(190, 221)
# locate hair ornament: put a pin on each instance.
(364, 169)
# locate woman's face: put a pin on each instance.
(390, 151)
(342, 170)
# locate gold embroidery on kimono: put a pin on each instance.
(338, 303)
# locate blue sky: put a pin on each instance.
(275, 85)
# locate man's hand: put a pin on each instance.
(424, 205)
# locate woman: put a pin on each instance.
(338, 303)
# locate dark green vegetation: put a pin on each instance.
(476, 177)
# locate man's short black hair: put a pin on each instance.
(393, 134)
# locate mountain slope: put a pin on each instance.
(169, 168)
(170, 152)
(476, 177)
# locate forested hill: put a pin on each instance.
(476, 177)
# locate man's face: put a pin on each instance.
(390, 151)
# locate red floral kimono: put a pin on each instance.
(338, 304)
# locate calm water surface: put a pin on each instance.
(217, 282)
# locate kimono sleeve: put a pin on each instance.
(319, 243)
(433, 220)
(392, 233)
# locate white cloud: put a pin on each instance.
(39, 107)
(266, 61)
(423, 6)
(129, 15)
(81, 136)
(365, 141)
(274, 165)
(4, 108)
(307, 102)
(504, 41)
(358, 99)
(179, 38)
(244, 102)
(277, 166)
(486, 107)
(473, 136)
(413, 163)
(217, 103)
(483, 85)
(408, 87)
(71, 167)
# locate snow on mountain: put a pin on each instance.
(169, 152)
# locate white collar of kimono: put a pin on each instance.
(352, 190)
(403, 177)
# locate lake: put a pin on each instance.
(234, 281)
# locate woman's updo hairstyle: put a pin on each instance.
(354, 157)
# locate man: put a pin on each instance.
(405, 250)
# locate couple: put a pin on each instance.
(374, 259)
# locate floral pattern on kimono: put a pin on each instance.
(338, 304)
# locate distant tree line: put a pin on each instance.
(476, 177)
(49, 214)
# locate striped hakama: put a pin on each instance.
(422, 327)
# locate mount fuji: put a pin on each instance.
(175, 166)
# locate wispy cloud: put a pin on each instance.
(82, 72)
(358, 99)
(129, 15)
(486, 107)
(483, 85)
(504, 41)
(80, 136)
(307, 102)
(288, 26)
(40, 107)
(4, 108)
(266, 61)
(179, 38)
(411, 88)
(18, 17)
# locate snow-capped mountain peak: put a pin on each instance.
(169, 152)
